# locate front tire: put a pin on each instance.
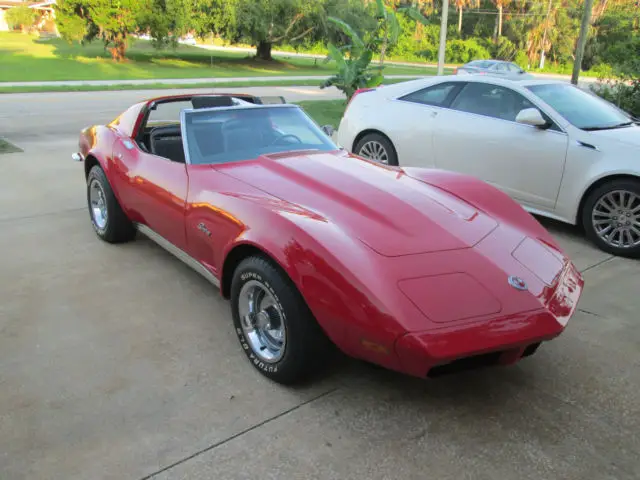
(611, 217)
(276, 329)
(107, 217)
(377, 147)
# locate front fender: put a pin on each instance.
(340, 279)
(485, 197)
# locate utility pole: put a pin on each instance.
(544, 35)
(582, 40)
(443, 36)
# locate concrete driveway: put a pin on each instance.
(118, 362)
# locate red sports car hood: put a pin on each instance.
(387, 210)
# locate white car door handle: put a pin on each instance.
(434, 114)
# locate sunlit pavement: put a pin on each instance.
(119, 362)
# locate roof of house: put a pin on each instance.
(29, 3)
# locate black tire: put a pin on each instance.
(383, 142)
(627, 185)
(306, 347)
(118, 228)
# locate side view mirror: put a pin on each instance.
(531, 116)
(328, 129)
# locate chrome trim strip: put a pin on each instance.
(178, 253)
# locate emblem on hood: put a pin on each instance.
(517, 283)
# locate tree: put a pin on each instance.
(264, 23)
(21, 17)
(388, 27)
(500, 4)
(111, 21)
(168, 20)
(352, 62)
(460, 6)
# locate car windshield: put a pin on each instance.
(232, 134)
(581, 109)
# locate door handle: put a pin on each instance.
(434, 114)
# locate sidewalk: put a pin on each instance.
(196, 81)
(176, 81)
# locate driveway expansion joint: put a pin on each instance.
(597, 264)
(239, 434)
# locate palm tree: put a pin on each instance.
(500, 4)
(460, 6)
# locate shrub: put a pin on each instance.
(503, 49)
(21, 17)
(521, 59)
(463, 51)
(620, 85)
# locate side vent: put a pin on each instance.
(587, 145)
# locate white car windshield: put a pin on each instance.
(581, 109)
(233, 134)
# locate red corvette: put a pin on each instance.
(419, 271)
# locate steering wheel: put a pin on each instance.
(286, 135)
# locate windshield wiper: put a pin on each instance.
(608, 127)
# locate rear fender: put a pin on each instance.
(96, 148)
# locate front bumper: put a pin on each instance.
(501, 340)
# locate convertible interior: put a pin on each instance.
(164, 137)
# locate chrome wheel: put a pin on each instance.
(616, 219)
(374, 151)
(98, 204)
(262, 320)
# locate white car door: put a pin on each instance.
(414, 117)
(478, 135)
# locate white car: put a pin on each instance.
(559, 151)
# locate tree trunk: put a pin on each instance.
(118, 50)
(500, 20)
(383, 48)
(263, 51)
(383, 51)
(459, 20)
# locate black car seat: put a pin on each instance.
(167, 142)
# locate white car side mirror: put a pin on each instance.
(531, 116)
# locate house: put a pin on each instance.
(45, 19)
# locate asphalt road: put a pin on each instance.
(38, 116)
(118, 362)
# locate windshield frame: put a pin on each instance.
(243, 106)
(625, 117)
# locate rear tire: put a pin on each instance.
(279, 334)
(377, 147)
(611, 217)
(107, 217)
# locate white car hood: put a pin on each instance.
(628, 135)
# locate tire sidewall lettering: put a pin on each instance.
(253, 358)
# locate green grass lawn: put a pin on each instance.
(26, 58)
(325, 112)
(6, 147)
